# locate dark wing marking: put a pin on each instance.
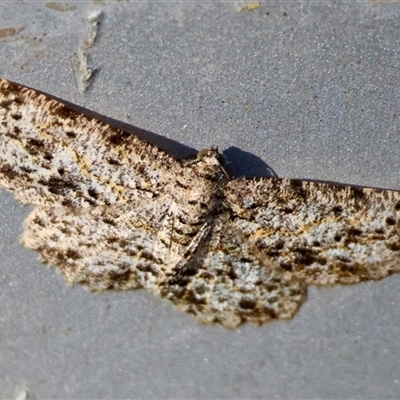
(51, 154)
(103, 247)
(323, 233)
(229, 282)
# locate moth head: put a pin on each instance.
(211, 156)
(214, 158)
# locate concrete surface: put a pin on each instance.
(304, 89)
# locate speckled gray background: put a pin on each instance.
(305, 89)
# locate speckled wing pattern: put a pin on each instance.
(114, 212)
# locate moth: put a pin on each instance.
(114, 212)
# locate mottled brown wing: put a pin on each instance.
(323, 233)
(103, 247)
(229, 282)
(117, 247)
(51, 154)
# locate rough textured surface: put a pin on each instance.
(114, 212)
(308, 89)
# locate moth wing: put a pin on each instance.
(101, 247)
(52, 154)
(226, 282)
(324, 234)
